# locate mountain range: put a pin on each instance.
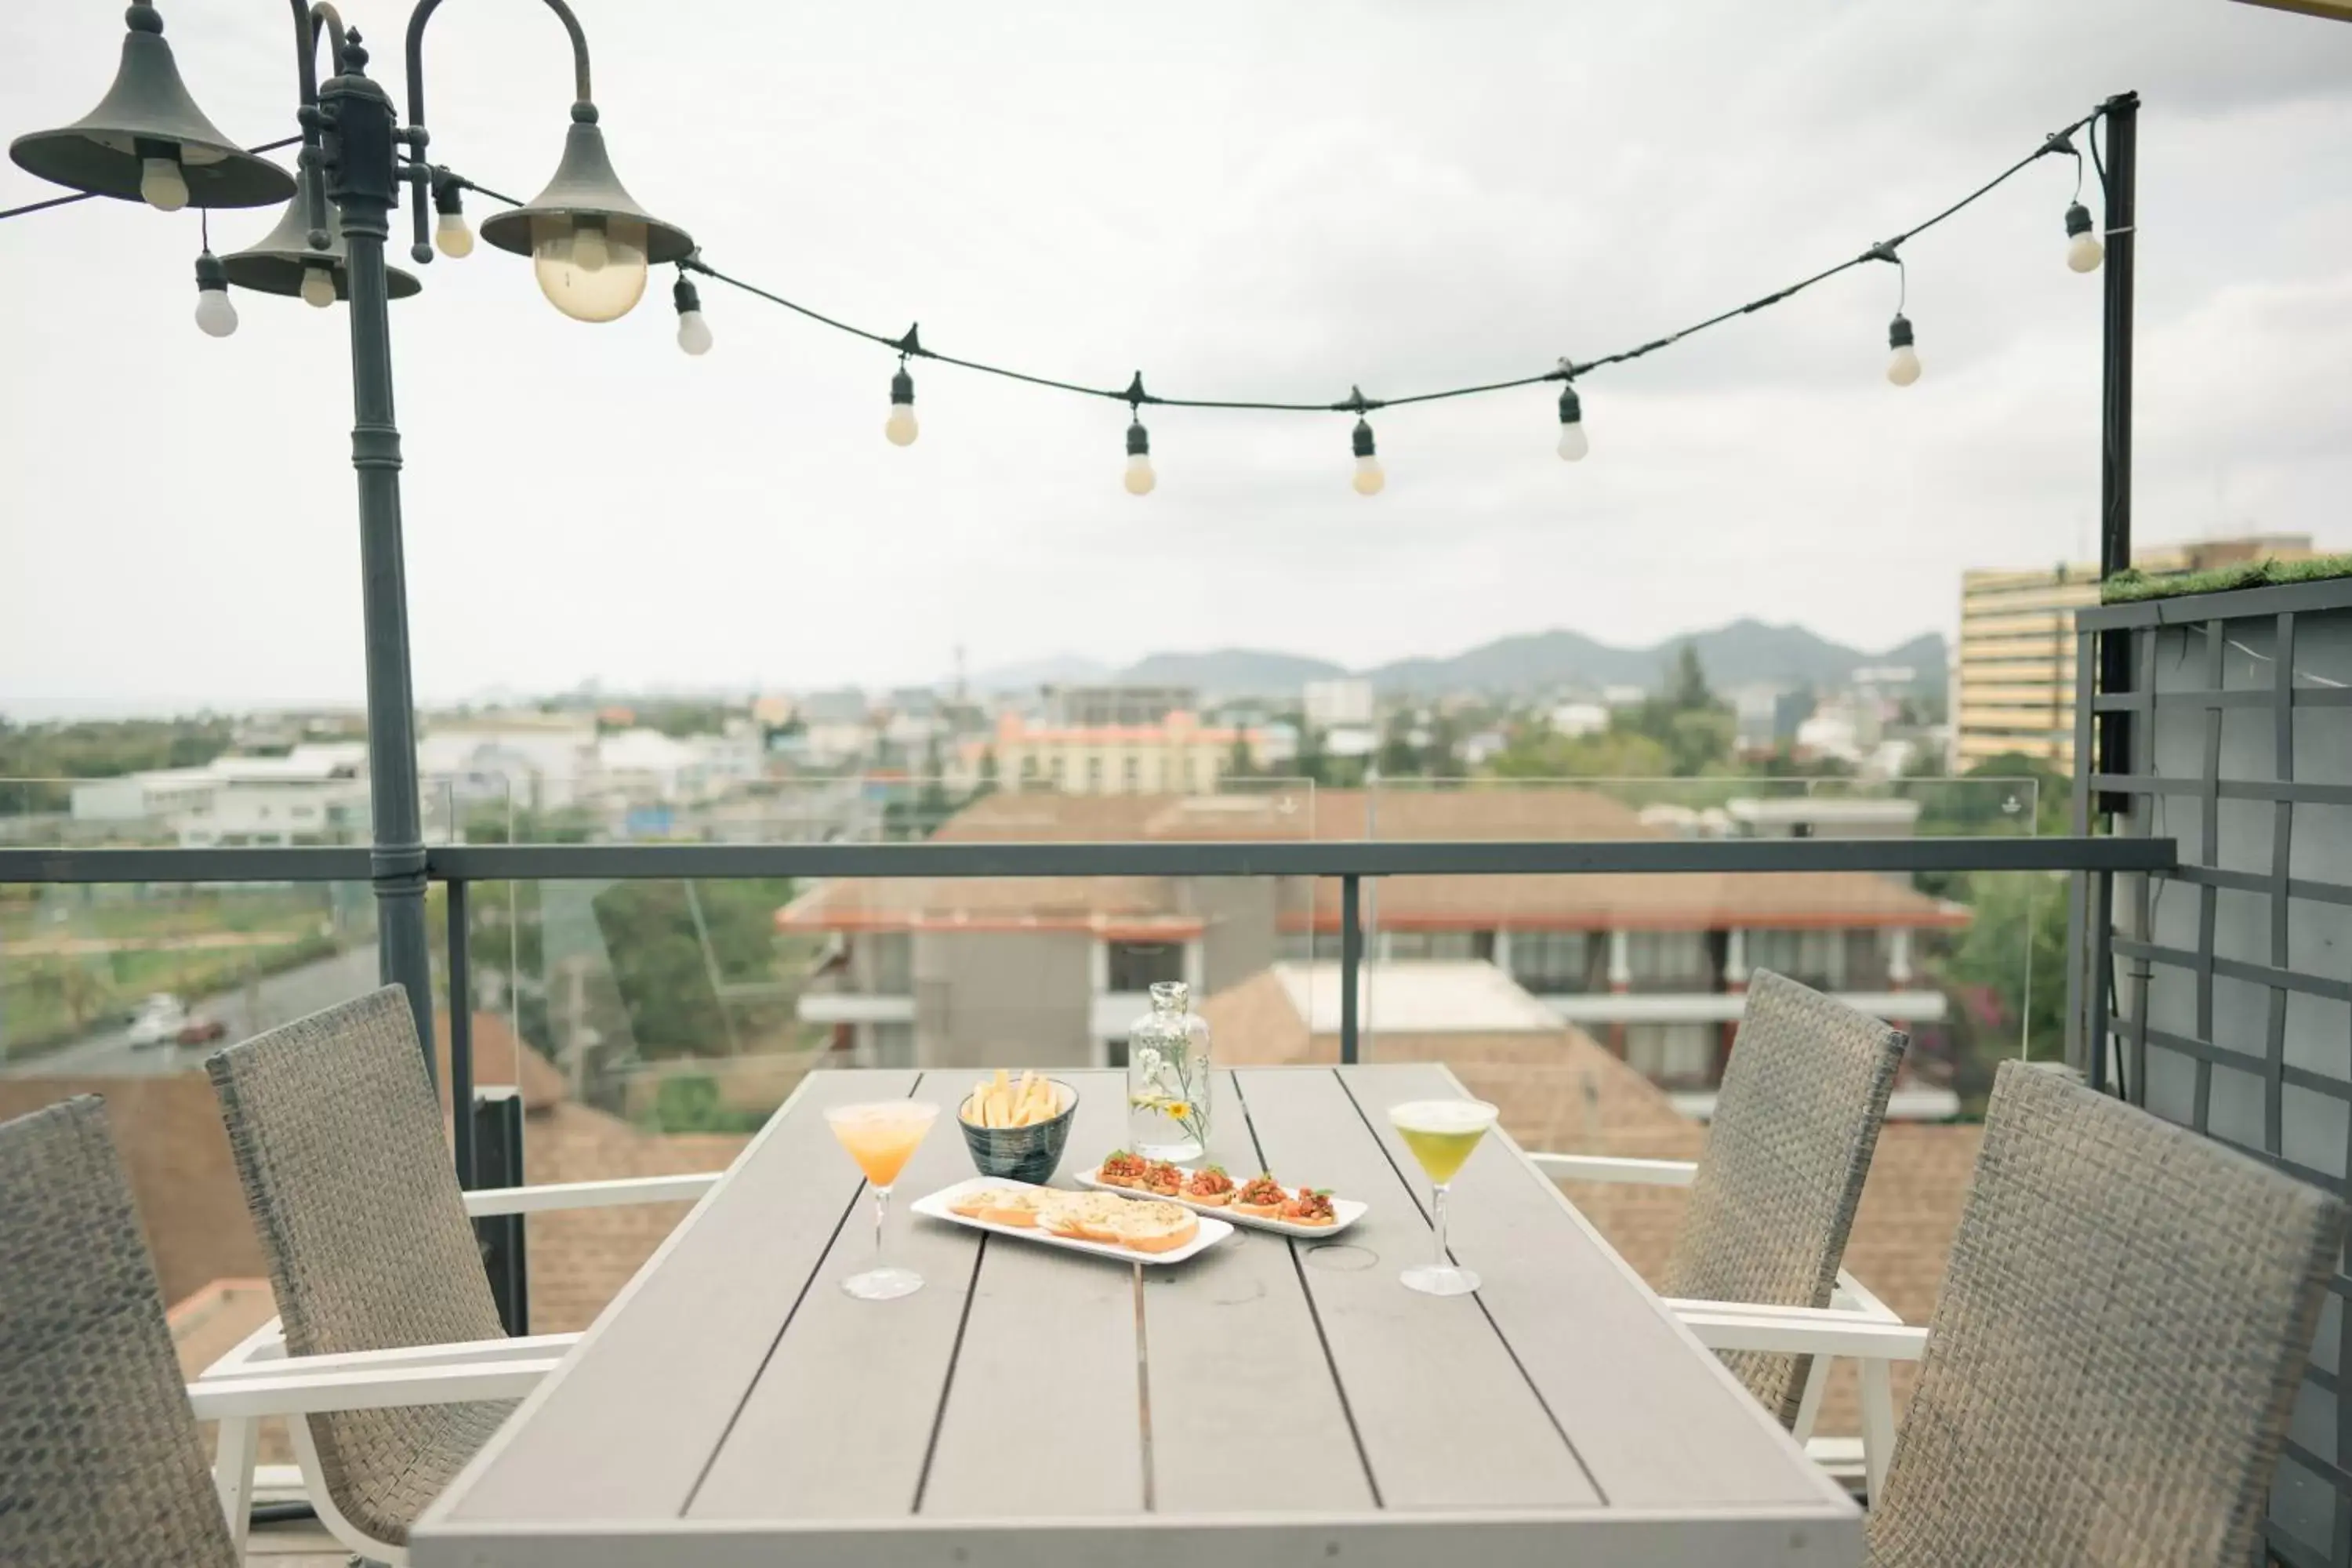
(1744, 652)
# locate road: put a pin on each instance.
(245, 1011)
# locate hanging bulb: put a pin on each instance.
(1140, 477)
(693, 332)
(1572, 443)
(1368, 478)
(900, 427)
(589, 249)
(318, 286)
(451, 237)
(214, 312)
(1903, 367)
(2084, 251)
(162, 185)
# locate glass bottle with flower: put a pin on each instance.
(1168, 1078)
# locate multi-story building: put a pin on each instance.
(1116, 707)
(1176, 754)
(2014, 685)
(1337, 703)
(314, 795)
(538, 760)
(955, 974)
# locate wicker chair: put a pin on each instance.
(2111, 1365)
(1773, 1199)
(339, 1142)
(100, 1457)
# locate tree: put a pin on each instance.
(2010, 969)
(1239, 762)
(1399, 757)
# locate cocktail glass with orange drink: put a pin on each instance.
(1441, 1133)
(882, 1137)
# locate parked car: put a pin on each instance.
(200, 1032)
(161, 1018)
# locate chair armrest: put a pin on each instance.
(265, 1345)
(468, 1352)
(1610, 1168)
(1853, 1296)
(591, 1195)
(320, 1393)
(1742, 1326)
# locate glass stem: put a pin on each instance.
(881, 1213)
(1437, 1216)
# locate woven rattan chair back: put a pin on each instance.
(99, 1459)
(339, 1141)
(2112, 1362)
(1787, 1152)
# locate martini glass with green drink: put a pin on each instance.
(1441, 1133)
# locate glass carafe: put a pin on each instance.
(1168, 1078)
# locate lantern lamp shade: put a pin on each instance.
(585, 187)
(147, 113)
(275, 264)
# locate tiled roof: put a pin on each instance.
(1280, 811)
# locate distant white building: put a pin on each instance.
(646, 767)
(1573, 719)
(313, 795)
(1339, 703)
(1352, 741)
(535, 760)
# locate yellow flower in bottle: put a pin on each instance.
(1176, 1109)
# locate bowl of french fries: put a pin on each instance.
(1016, 1128)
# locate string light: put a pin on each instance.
(1139, 480)
(451, 237)
(1369, 480)
(216, 312)
(900, 427)
(1573, 444)
(2084, 251)
(693, 332)
(589, 250)
(161, 183)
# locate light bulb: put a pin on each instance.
(318, 286)
(1903, 366)
(605, 291)
(1573, 444)
(1368, 478)
(1140, 477)
(900, 427)
(2084, 251)
(589, 251)
(693, 333)
(452, 238)
(215, 313)
(162, 185)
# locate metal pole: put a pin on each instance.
(2122, 129)
(461, 1035)
(1351, 962)
(363, 182)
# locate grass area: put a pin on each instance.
(70, 964)
(2132, 587)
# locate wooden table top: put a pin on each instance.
(1268, 1402)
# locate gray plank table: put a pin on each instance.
(1270, 1401)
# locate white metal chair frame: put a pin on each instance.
(257, 1380)
(1855, 1325)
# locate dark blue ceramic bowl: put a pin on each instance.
(1022, 1153)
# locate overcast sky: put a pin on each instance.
(1242, 200)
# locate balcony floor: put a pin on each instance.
(293, 1545)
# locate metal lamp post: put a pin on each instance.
(589, 241)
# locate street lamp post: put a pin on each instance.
(589, 241)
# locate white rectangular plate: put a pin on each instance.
(1348, 1210)
(935, 1206)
